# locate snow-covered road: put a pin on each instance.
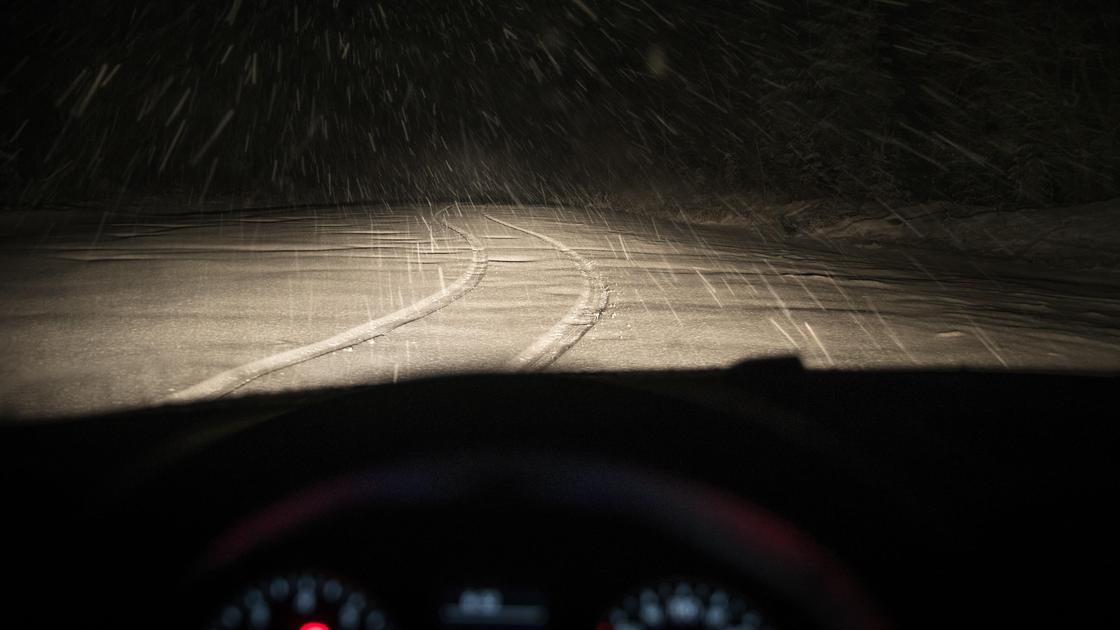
(110, 312)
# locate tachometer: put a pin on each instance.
(302, 601)
(684, 604)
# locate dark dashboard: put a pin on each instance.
(762, 496)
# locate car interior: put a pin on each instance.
(560, 315)
(760, 496)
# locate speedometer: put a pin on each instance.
(301, 601)
(684, 604)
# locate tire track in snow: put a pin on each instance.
(579, 319)
(230, 380)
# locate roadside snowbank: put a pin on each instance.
(1078, 237)
(1085, 236)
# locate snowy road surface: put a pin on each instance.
(101, 312)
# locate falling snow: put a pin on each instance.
(192, 188)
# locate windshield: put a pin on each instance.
(237, 197)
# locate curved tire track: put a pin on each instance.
(234, 378)
(579, 319)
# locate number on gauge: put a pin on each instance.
(684, 604)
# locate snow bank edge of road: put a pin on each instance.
(1084, 237)
(1078, 237)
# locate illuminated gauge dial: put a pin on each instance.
(684, 604)
(300, 602)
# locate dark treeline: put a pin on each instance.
(993, 101)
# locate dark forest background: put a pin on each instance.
(1003, 102)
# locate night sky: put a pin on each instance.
(997, 102)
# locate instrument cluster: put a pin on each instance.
(315, 601)
(521, 544)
